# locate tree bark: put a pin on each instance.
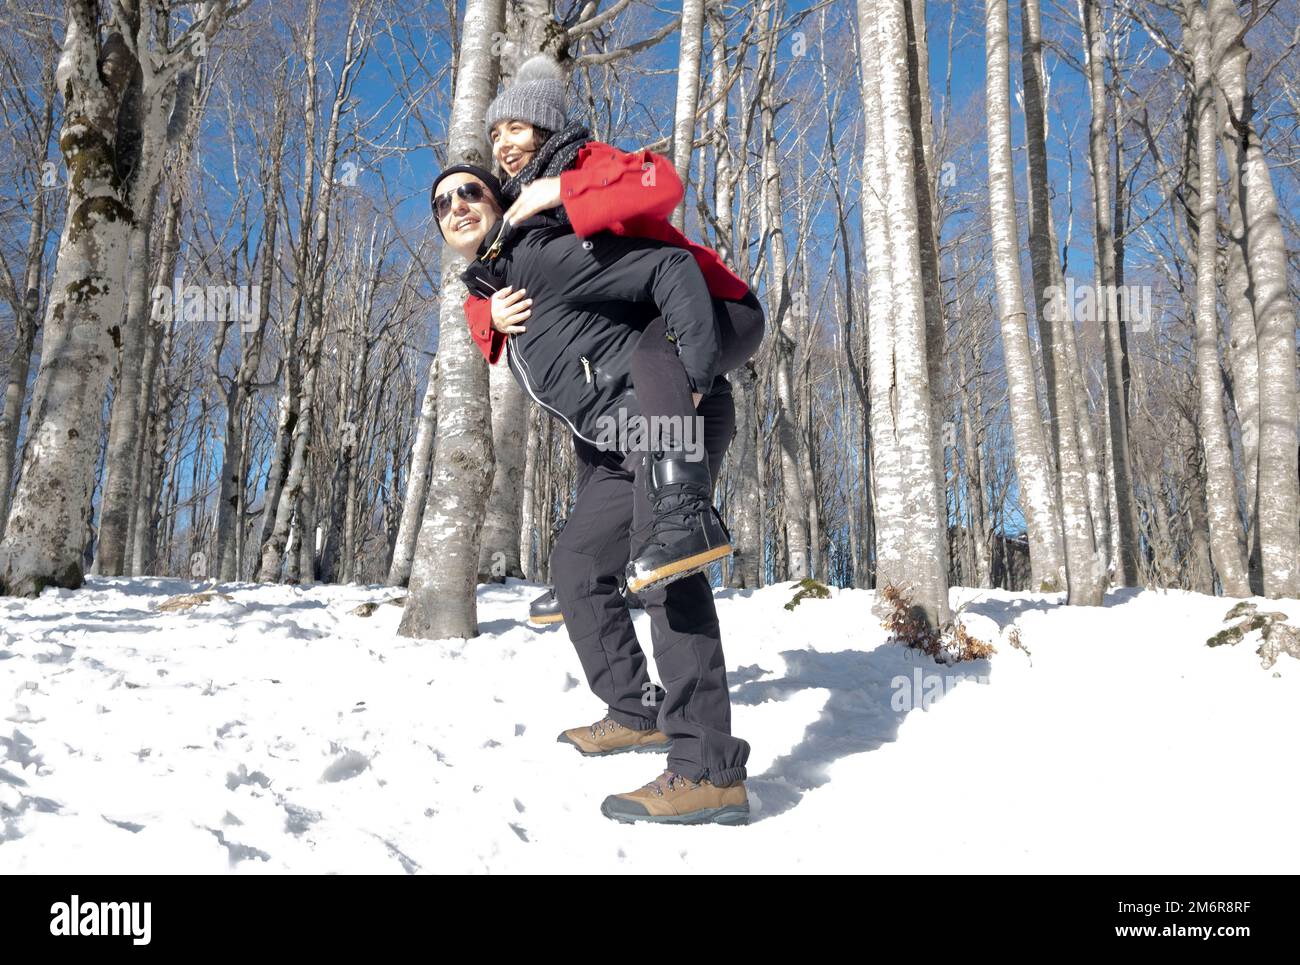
(26, 318)
(1033, 469)
(1278, 489)
(51, 508)
(442, 600)
(688, 95)
(1126, 548)
(783, 324)
(1221, 484)
(924, 555)
(417, 483)
(1084, 578)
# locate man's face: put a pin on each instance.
(466, 223)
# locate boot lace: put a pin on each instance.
(677, 507)
(667, 781)
(605, 723)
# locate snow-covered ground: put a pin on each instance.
(278, 731)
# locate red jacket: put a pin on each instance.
(627, 194)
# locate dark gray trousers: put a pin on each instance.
(609, 520)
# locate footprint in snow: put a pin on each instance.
(234, 780)
(346, 767)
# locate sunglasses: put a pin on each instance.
(470, 191)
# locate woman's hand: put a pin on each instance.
(542, 195)
(510, 309)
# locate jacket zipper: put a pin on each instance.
(520, 366)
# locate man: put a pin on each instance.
(593, 301)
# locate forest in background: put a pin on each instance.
(1030, 274)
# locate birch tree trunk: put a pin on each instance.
(531, 28)
(1126, 543)
(1243, 354)
(499, 550)
(688, 96)
(1221, 484)
(528, 500)
(887, 477)
(1033, 469)
(1084, 578)
(26, 307)
(1200, 578)
(744, 571)
(1278, 489)
(151, 414)
(927, 209)
(442, 601)
(51, 508)
(784, 325)
(417, 483)
(921, 563)
(148, 123)
(27, 304)
(974, 482)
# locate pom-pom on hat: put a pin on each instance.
(536, 96)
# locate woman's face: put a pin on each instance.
(513, 145)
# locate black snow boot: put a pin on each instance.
(545, 610)
(687, 533)
(631, 599)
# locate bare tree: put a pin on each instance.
(312, 277)
(417, 483)
(1085, 583)
(1221, 486)
(151, 118)
(783, 320)
(688, 95)
(24, 297)
(1033, 470)
(1278, 489)
(903, 432)
(1126, 549)
(442, 602)
(237, 389)
(50, 513)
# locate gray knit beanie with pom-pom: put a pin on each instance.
(535, 96)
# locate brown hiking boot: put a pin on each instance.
(607, 736)
(673, 799)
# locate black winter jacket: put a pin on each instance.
(592, 298)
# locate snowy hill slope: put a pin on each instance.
(278, 731)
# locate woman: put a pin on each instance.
(552, 165)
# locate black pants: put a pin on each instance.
(608, 524)
(662, 387)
